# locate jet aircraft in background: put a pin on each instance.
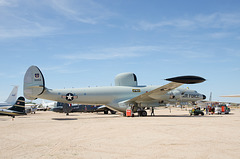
(71, 108)
(17, 109)
(46, 106)
(11, 98)
(124, 95)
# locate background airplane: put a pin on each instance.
(124, 95)
(17, 109)
(46, 105)
(11, 98)
(61, 108)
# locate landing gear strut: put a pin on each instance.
(105, 111)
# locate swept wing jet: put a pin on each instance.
(71, 108)
(11, 98)
(126, 92)
(17, 109)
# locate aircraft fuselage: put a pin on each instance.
(126, 92)
(111, 96)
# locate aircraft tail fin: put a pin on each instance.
(34, 84)
(19, 106)
(12, 96)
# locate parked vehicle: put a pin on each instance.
(222, 109)
(196, 111)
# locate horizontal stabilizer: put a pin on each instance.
(187, 79)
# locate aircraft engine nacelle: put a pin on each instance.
(123, 105)
(126, 79)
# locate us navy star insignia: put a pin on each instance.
(70, 97)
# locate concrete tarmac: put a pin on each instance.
(98, 136)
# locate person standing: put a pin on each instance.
(152, 112)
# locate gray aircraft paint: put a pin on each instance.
(119, 97)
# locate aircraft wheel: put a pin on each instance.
(105, 111)
(144, 113)
(113, 112)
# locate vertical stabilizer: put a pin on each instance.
(12, 96)
(19, 106)
(34, 84)
(210, 97)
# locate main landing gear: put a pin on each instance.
(130, 111)
(142, 113)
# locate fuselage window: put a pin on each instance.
(193, 95)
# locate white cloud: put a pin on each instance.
(30, 31)
(62, 69)
(34, 19)
(19, 19)
(220, 35)
(174, 23)
(168, 52)
(110, 53)
(103, 56)
(5, 3)
(82, 11)
(218, 20)
(215, 20)
(98, 56)
(236, 69)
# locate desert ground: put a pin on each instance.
(97, 136)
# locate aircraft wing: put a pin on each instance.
(102, 107)
(148, 96)
(231, 95)
(176, 82)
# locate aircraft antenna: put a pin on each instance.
(210, 97)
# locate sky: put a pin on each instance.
(82, 43)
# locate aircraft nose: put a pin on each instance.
(204, 97)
